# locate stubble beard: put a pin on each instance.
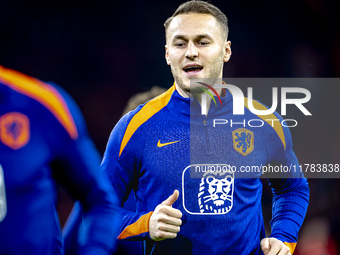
(211, 79)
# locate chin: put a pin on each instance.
(186, 89)
(187, 82)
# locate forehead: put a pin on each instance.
(193, 24)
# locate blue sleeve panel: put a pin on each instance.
(290, 191)
(41, 128)
(123, 171)
(85, 183)
(71, 229)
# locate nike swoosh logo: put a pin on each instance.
(159, 144)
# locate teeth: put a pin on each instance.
(189, 68)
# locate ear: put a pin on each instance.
(209, 179)
(167, 55)
(227, 177)
(227, 51)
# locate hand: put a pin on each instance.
(273, 246)
(165, 221)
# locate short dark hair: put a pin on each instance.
(196, 6)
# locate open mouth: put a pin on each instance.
(192, 69)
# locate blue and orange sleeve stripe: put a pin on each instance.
(291, 246)
(148, 110)
(139, 227)
(42, 92)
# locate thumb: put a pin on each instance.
(265, 245)
(170, 200)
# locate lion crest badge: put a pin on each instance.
(243, 141)
(216, 192)
(208, 189)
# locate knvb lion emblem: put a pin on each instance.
(216, 192)
(214, 186)
(14, 130)
(243, 141)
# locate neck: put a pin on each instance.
(181, 91)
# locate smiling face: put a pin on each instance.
(196, 48)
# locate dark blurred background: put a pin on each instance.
(103, 52)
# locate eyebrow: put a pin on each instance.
(200, 36)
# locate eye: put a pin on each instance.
(180, 44)
(203, 43)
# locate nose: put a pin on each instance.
(192, 52)
(219, 189)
